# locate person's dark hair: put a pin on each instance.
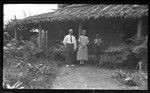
(83, 31)
(70, 31)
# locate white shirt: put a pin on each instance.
(67, 39)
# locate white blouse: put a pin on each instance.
(83, 40)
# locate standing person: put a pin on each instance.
(82, 54)
(97, 46)
(70, 45)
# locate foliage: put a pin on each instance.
(22, 31)
(130, 78)
(60, 52)
(121, 53)
(6, 38)
(91, 48)
(24, 51)
(114, 55)
(29, 74)
(27, 66)
(135, 40)
(141, 47)
(57, 52)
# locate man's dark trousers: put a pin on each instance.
(69, 53)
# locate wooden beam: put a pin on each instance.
(139, 28)
(15, 29)
(15, 33)
(80, 26)
(40, 36)
(46, 39)
(140, 66)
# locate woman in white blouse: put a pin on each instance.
(82, 54)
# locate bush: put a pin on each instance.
(30, 74)
(60, 53)
(130, 78)
(136, 41)
(140, 51)
(28, 67)
(57, 52)
(41, 72)
(114, 55)
(123, 53)
(91, 48)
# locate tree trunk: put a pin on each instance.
(139, 28)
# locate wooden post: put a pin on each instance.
(15, 29)
(139, 28)
(122, 26)
(80, 27)
(40, 36)
(146, 40)
(46, 39)
(43, 38)
(140, 66)
(24, 14)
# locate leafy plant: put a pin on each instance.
(130, 78)
(120, 54)
(60, 52)
(25, 64)
(57, 52)
(15, 86)
(28, 73)
(139, 49)
(135, 40)
(114, 55)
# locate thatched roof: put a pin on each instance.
(86, 11)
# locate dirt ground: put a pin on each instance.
(86, 77)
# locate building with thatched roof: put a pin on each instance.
(112, 21)
(87, 11)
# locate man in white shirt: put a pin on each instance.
(70, 45)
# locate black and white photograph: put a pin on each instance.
(75, 46)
